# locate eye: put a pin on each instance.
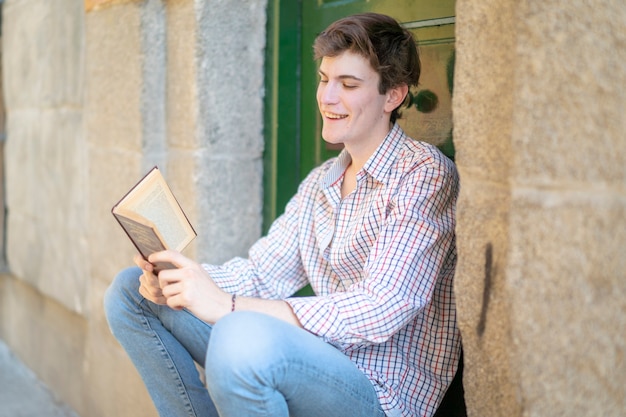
(350, 86)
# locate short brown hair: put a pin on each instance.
(390, 49)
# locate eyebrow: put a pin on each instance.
(343, 77)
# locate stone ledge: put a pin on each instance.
(91, 5)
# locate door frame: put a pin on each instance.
(281, 157)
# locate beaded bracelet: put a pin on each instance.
(232, 308)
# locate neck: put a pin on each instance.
(362, 151)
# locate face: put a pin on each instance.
(353, 111)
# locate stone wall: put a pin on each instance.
(539, 130)
(96, 93)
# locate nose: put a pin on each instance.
(328, 93)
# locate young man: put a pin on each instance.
(372, 231)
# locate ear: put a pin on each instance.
(395, 97)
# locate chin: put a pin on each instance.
(333, 145)
(330, 136)
(330, 139)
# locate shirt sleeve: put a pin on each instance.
(412, 251)
(273, 269)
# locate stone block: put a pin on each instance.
(566, 271)
(483, 88)
(229, 205)
(47, 201)
(230, 76)
(570, 115)
(48, 338)
(182, 75)
(182, 176)
(43, 53)
(111, 174)
(483, 298)
(114, 77)
(24, 131)
(154, 82)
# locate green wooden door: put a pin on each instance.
(293, 124)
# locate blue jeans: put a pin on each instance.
(255, 365)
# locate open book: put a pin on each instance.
(152, 218)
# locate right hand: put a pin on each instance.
(149, 286)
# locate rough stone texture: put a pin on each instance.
(567, 269)
(154, 84)
(483, 104)
(47, 337)
(94, 98)
(114, 127)
(570, 66)
(230, 97)
(183, 139)
(539, 133)
(46, 154)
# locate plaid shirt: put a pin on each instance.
(381, 263)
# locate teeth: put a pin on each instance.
(335, 116)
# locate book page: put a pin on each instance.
(157, 208)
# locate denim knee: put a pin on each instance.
(242, 344)
(125, 287)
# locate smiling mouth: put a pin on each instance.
(335, 116)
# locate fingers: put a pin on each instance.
(162, 288)
(182, 287)
(169, 277)
(150, 297)
(150, 290)
(142, 263)
(185, 267)
(151, 284)
(174, 295)
(171, 256)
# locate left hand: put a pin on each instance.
(190, 287)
